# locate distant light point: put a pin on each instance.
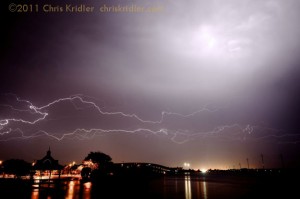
(186, 164)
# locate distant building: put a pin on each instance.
(47, 165)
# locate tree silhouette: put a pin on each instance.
(16, 167)
(86, 172)
(103, 162)
(99, 158)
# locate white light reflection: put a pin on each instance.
(188, 191)
(201, 189)
(204, 190)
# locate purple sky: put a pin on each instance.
(206, 82)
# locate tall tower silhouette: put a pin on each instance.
(282, 162)
(248, 163)
(262, 161)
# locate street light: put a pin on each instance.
(186, 164)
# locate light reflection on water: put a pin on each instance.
(72, 189)
(35, 194)
(87, 190)
(196, 187)
(187, 186)
(153, 187)
(178, 187)
(204, 189)
(201, 189)
(70, 193)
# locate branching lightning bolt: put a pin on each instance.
(38, 110)
(237, 131)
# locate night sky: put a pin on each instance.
(209, 82)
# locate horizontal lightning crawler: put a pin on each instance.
(12, 128)
(39, 111)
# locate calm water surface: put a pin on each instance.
(183, 187)
(175, 187)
